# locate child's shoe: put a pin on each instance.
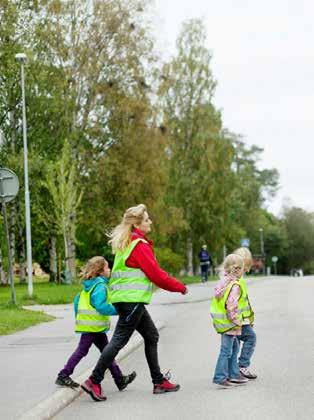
(94, 390)
(225, 384)
(165, 385)
(240, 380)
(125, 381)
(66, 381)
(246, 373)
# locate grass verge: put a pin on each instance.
(14, 318)
(44, 294)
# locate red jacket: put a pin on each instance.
(143, 257)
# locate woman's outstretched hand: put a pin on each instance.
(186, 291)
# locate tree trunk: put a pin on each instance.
(22, 259)
(66, 252)
(189, 251)
(53, 259)
(21, 245)
(3, 277)
(71, 258)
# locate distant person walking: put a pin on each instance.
(134, 271)
(226, 310)
(205, 262)
(92, 322)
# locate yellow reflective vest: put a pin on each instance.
(248, 312)
(87, 318)
(218, 310)
(129, 284)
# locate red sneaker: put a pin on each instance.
(165, 386)
(94, 390)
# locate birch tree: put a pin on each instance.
(61, 183)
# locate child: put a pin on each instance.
(248, 336)
(226, 307)
(92, 312)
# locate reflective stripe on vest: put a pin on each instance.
(229, 325)
(128, 274)
(133, 286)
(88, 319)
(224, 316)
(93, 323)
(129, 284)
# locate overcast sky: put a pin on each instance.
(263, 60)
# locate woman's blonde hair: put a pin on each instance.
(93, 268)
(231, 262)
(245, 253)
(120, 236)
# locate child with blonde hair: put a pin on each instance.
(248, 336)
(92, 312)
(226, 310)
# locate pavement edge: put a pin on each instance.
(52, 405)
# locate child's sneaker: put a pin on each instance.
(246, 373)
(225, 384)
(66, 381)
(125, 381)
(240, 380)
(94, 390)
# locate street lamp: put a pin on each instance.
(21, 58)
(262, 247)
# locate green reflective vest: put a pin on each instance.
(129, 284)
(218, 310)
(248, 312)
(87, 318)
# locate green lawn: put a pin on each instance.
(14, 319)
(44, 293)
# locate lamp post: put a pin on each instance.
(21, 58)
(262, 248)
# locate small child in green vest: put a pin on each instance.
(226, 307)
(92, 312)
(248, 336)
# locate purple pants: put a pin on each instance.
(87, 339)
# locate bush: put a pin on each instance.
(169, 260)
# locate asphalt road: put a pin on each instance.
(284, 362)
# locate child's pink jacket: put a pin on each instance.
(232, 301)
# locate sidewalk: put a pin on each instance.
(31, 359)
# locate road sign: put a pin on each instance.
(274, 259)
(9, 185)
(245, 242)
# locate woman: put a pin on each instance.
(131, 286)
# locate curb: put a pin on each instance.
(50, 406)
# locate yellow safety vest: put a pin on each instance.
(218, 310)
(248, 313)
(129, 284)
(87, 318)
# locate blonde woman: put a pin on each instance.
(134, 272)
